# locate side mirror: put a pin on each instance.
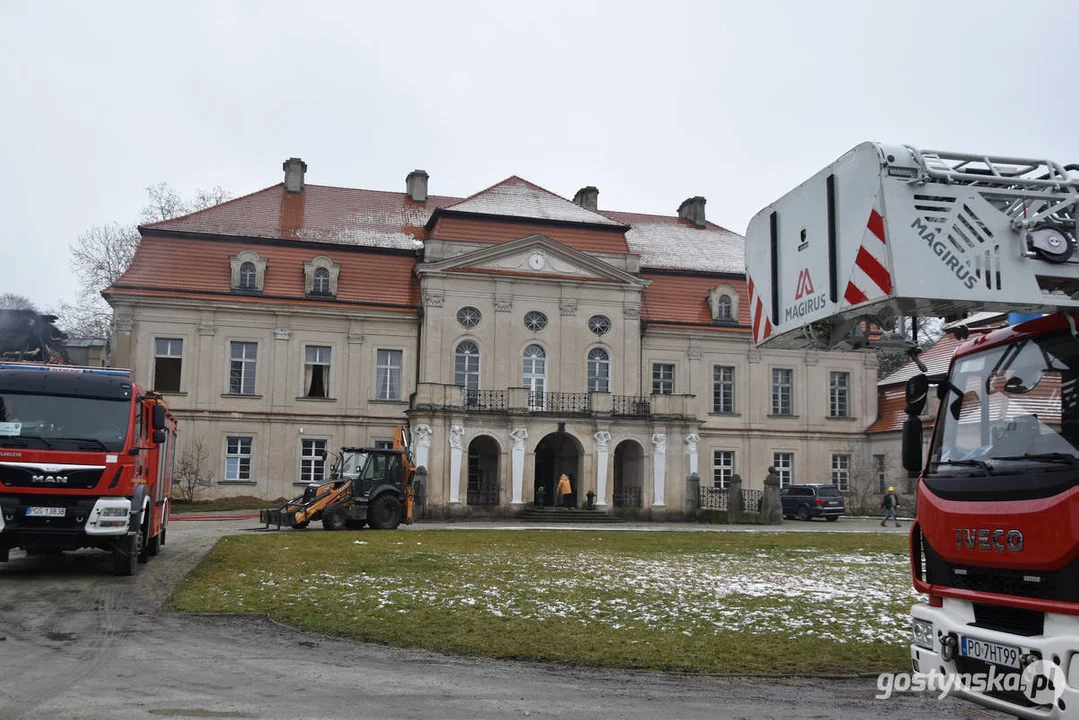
(917, 393)
(912, 444)
(159, 436)
(157, 417)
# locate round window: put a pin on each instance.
(468, 316)
(599, 324)
(535, 320)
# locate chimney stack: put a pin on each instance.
(294, 169)
(692, 209)
(587, 197)
(416, 186)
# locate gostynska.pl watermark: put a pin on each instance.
(1041, 682)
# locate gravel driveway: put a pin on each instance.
(76, 642)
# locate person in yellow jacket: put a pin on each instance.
(564, 489)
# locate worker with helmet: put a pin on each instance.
(890, 504)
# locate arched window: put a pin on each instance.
(320, 284)
(534, 376)
(723, 308)
(466, 368)
(247, 276)
(599, 370)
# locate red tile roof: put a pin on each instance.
(683, 300)
(890, 415)
(449, 227)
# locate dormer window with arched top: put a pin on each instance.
(320, 276)
(723, 305)
(248, 271)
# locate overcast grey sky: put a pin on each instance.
(652, 102)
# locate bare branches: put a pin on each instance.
(11, 301)
(194, 469)
(101, 254)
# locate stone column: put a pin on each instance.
(693, 496)
(455, 464)
(735, 506)
(519, 436)
(691, 449)
(603, 439)
(772, 507)
(659, 470)
(421, 444)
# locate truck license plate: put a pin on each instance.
(990, 652)
(46, 512)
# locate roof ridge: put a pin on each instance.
(715, 226)
(158, 223)
(533, 185)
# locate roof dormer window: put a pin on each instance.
(248, 271)
(723, 304)
(320, 276)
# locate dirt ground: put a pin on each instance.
(76, 642)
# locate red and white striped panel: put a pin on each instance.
(762, 325)
(871, 277)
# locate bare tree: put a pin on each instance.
(194, 470)
(11, 301)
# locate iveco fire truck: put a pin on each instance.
(888, 231)
(85, 461)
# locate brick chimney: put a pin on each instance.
(416, 186)
(294, 169)
(587, 197)
(692, 209)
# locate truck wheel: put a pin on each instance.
(355, 524)
(384, 513)
(302, 525)
(333, 519)
(125, 557)
(803, 513)
(3, 554)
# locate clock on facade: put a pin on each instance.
(536, 261)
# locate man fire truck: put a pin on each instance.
(887, 231)
(85, 461)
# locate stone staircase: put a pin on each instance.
(570, 516)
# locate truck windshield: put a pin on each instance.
(1009, 406)
(62, 422)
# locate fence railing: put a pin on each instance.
(559, 402)
(631, 405)
(627, 497)
(712, 498)
(486, 400)
(752, 500)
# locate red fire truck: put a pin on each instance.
(887, 231)
(85, 461)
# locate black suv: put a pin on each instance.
(809, 501)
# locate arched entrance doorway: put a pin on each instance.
(628, 474)
(556, 454)
(483, 487)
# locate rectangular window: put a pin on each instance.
(662, 379)
(312, 460)
(316, 371)
(783, 462)
(168, 357)
(841, 471)
(722, 389)
(781, 391)
(882, 474)
(242, 368)
(839, 394)
(389, 375)
(237, 459)
(722, 468)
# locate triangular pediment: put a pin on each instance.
(517, 198)
(534, 255)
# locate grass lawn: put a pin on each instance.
(695, 602)
(239, 502)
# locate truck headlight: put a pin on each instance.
(114, 512)
(923, 634)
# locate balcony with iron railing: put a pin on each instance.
(519, 400)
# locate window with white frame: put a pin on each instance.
(722, 389)
(724, 308)
(316, 371)
(312, 460)
(466, 369)
(839, 394)
(320, 281)
(248, 278)
(841, 471)
(242, 360)
(168, 358)
(237, 459)
(389, 374)
(599, 370)
(534, 376)
(662, 378)
(782, 391)
(882, 474)
(722, 468)
(783, 462)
